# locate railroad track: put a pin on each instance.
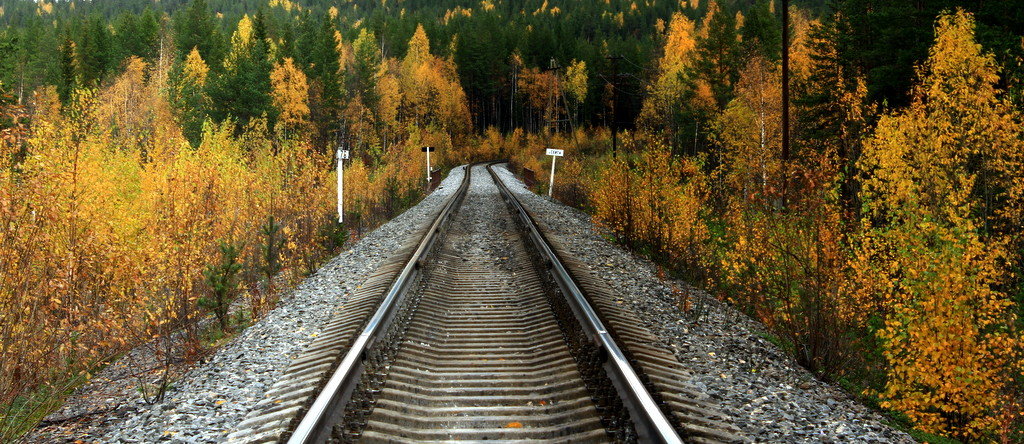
(482, 328)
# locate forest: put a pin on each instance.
(162, 159)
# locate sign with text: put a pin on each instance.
(428, 150)
(555, 155)
(342, 155)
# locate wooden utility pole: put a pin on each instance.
(615, 102)
(551, 113)
(785, 100)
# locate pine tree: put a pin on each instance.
(67, 79)
(718, 53)
(194, 27)
(243, 91)
(94, 52)
(761, 33)
(188, 95)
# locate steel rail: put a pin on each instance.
(326, 410)
(649, 420)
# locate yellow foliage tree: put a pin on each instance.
(930, 254)
(783, 265)
(126, 105)
(679, 44)
(415, 76)
(188, 93)
(106, 247)
(750, 133)
(390, 97)
(576, 81)
(291, 94)
(431, 94)
(540, 88)
(676, 91)
(195, 68)
(656, 201)
(241, 42)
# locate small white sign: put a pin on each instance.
(342, 155)
(556, 154)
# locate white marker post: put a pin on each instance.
(342, 155)
(428, 150)
(555, 154)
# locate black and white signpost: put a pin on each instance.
(555, 154)
(342, 155)
(428, 150)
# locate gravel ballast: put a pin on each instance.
(769, 397)
(209, 400)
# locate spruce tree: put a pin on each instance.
(364, 68)
(67, 81)
(188, 80)
(718, 54)
(195, 28)
(317, 55)
(94, 51)
(242, 91)
(149, 35)
(8, 56)
(761, 32)
(832, 108)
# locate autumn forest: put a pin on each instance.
(162, 159)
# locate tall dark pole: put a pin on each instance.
(615, 102)
(552, 96)
(785, 99)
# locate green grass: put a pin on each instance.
(779, 342)
(26, 411)
(900, 422)
(928, 437)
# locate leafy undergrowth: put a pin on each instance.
(27, 410)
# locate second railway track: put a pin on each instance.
(478, 331)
